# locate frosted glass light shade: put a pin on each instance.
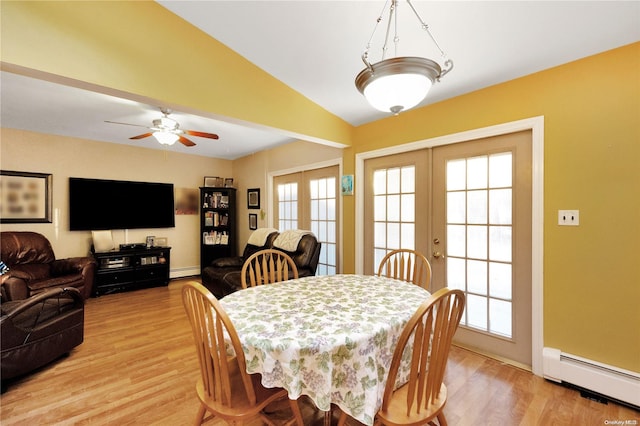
(399, 92)
(166, 138)
(397, 84)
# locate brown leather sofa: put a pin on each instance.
(222, 277)
(33, 267)
(39, 329)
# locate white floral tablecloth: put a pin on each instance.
(328, 337)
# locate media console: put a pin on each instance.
(131, 268)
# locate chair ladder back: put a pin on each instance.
(212, 329)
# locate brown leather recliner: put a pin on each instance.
(39, 329)
(218, 277)
(33, 267)
(222, 277)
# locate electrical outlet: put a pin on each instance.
(569, 217)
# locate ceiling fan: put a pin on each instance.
(167, 130)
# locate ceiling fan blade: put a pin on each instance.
(126, 124)
(144, 135)
(201, 134)
(186, 142)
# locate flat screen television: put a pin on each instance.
(98, 204)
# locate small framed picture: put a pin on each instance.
(253, 198)
(228, 183)
(347, 185)
(211, 181)
(253, 221)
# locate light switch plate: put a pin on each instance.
(569, 217)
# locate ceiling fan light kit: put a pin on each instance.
(400, 83)
(167, 131)
(166, 138)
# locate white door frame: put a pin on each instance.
(536, 125)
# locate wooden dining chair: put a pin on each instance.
(268, 266)
(406, 265)
(428, 335)
(224, 388)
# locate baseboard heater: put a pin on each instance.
(615, 383)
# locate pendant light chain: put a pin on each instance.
(448, 63)
(365, 54)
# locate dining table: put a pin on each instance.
(329, 337)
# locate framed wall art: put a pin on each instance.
(25, 197)
(253, 221)
(253, 198)
(346, 185)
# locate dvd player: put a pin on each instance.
(132, 246)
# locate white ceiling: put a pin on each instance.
(315, 47)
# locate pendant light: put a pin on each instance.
(399, 83)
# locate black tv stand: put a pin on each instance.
(131, 268)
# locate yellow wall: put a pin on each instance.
(253, 170)
(141, 48)
(65, 157)
(591, 163)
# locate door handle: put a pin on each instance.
(436, 253)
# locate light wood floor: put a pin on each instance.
(137, 366)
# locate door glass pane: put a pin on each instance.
(456, 273)
(456, 175)
(500, 170)
(477, 172)
(476, 311)
(323, 221)
(456, 207)
(393, 181)
(500, 280)
(393, 235)
(408, 207)
(380, 208)
(500, 243)
(479, 229)
(394, 210)
(288, 206)
(379, 182)
(477, 242)
(500, 314)
(477, 277)
(500, 206)
(456, 240)
(477, 206)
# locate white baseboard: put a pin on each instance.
(188, 271)
(613, 382)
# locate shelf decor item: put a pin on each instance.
(213, 181)
(253, 198)
(26, 197)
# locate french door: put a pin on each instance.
(473, 221)
(310, 200)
